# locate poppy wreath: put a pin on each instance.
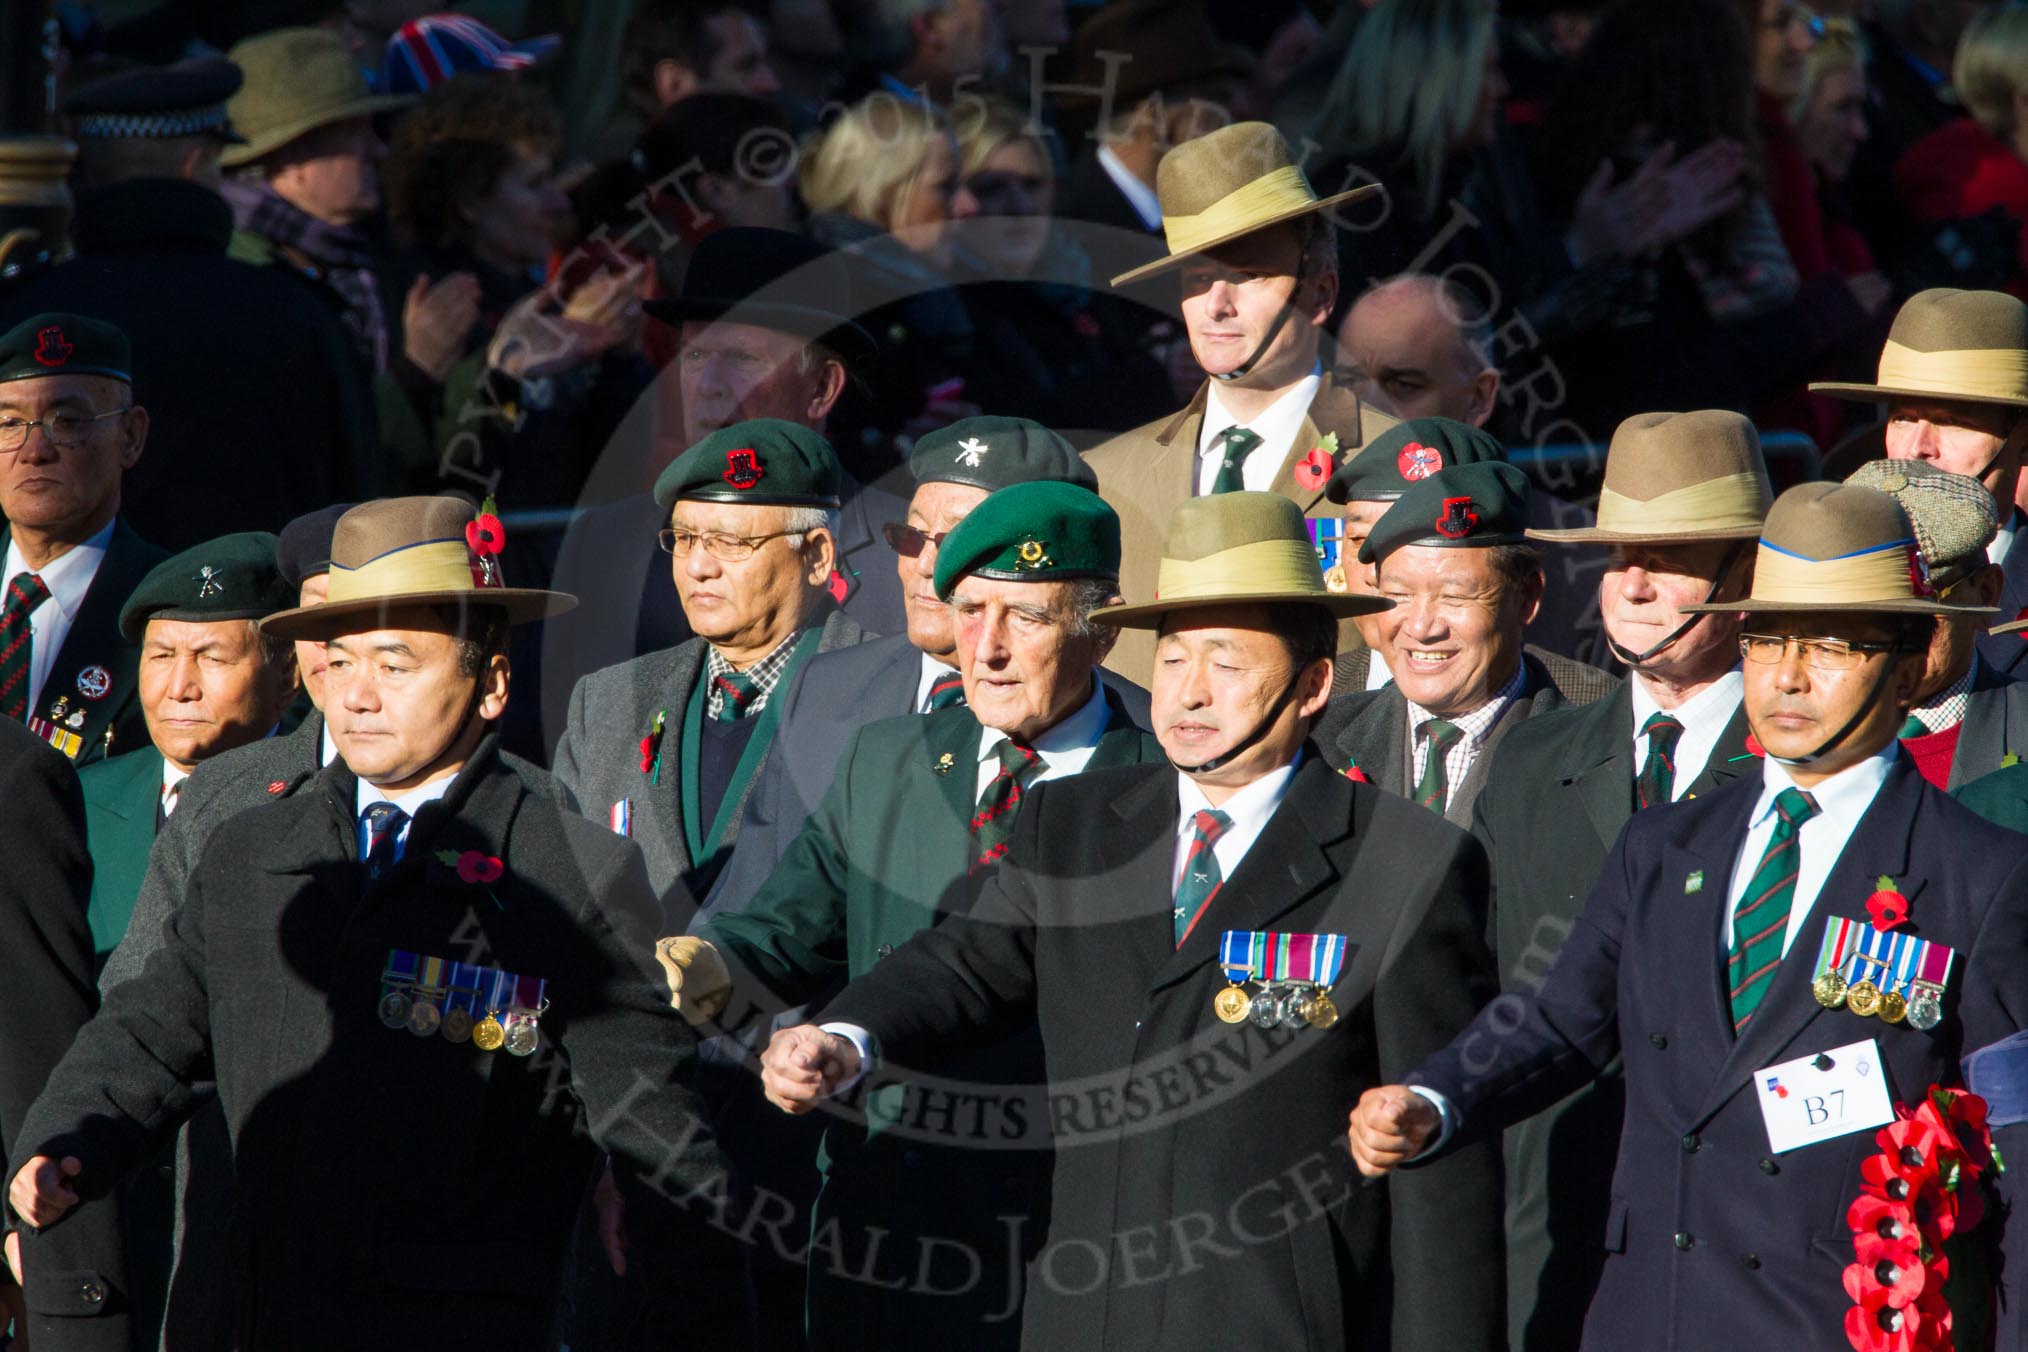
(1920, 1195)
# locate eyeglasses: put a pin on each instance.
(1821, 654)
(907, 541)
(724, 548)
(65, 431)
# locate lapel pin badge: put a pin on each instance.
(945, 762)
(1694, 883)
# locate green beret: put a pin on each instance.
(231, 578)
(65, 345)
(767, 462)
(995, 453)
(1034, 532)
(1467, 506)
(1407, 453)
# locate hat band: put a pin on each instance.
(433, 566)
(129, 126)
(1244, 570)
(1271, 194)
(1972, 373)
(1880, 573)
(1728, 503)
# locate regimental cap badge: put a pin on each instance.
(209, 582)
(971, 451)
(743, 468)
(1032, 555)
(51, 347)
(1417, 461)
(1457, 519)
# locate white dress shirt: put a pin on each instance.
(1139, 195)
(68, 577)
(1065, 749)
(2003, 539)
(932, 671)
(1377, 672)
(1704, 717)
(172, 786)
(1249, 809)
(1841, 801)
(410, 802)
(1477, 727)
(1276, 426)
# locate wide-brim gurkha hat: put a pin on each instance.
(1224, 186)
(398, 552)
(297, 80)
(1950, 345)
(1678, 478)
(1839, 547)
(1239, 548)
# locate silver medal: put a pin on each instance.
(522, 1035)
(394, 1009)
(423, 1018)
(1925, 1011)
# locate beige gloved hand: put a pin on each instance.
(699, 985)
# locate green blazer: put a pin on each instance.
(890, 840)
(2000, 797)
(122, 796)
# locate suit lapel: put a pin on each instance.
(1600, 764)
(1123, 742)
(1286, 865)
(663, 793)
(1995, 722)
(1376, 739)
(94, 642)
(1729, 759)
(1334, 411)
(1175, 460)
(951, 745)
(1458, 804)
(1879, 846)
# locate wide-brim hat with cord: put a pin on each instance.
(1224, 186)
(1238, 548)
(1678, 478)
(1950, 345)
(297, 80)
(1840, 547)
(423, 551)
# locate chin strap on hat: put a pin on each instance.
(1274, 329)
(1634, 659)
(1865, 707)
(1259, 731)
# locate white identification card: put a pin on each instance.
(1823, 1096)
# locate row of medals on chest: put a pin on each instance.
(1295, 1004)
(417, 1009)
(1922, 1006)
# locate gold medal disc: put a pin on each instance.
(1322, 1012)
(488, 1035)
(1892, 1006)
(1829, 988)
(1232, 1004)
(1863, 999)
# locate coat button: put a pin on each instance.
(91, 1293)
(1691, 1143)
(1751, 1261)
(1685, 1240)
(1770, 1167)
(1658, 1042)
(884, 951)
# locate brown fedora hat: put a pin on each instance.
(411, 552)
(1226, 185)
(1126, 52)
(1678, 478)
(1951, 345)
(1840, 547)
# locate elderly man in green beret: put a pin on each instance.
(665, 748)
(918, 803)
(1450, 554)
(209, 682)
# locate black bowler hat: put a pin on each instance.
(772, 279)
(186, 99)
(304, 546)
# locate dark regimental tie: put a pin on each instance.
(737, 692)
(1912, 727)
(24, 594)
(1238, 443)
(946, 692)
(1657, 783)
(1201, 879)
(1762, 920)
(993, 823)
(383, 836)
(1433, 790)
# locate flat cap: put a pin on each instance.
(995, 453)
(186, 99)
(766, 462)
(304, 547)
(1474, 506)
(231, 578)
(1406, 454)
(64, 345)
(1953, 514)
(1043, 531)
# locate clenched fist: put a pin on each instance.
(1391, 1125)
(699, 985)
(41, 1192)
(802, 1065)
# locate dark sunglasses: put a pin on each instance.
(907, 541)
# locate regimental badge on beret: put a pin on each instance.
(1458, 519)
(743, 468)
(208, 583)
(1033, 557)
(1418, 461)
(971, 451)
(51, 347)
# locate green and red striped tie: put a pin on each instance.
(737, 692)
(1201, 876)
(24, 593)
(1433, 789)
(946, 692)
(1760, 925)
(1657, 783)
(993, 823)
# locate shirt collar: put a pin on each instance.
(1139, 195)
(765, 674)
(1844, 797)
(411, 802)
(1947, 709)
(1276, 425)
(69, 575)
(1477, 724)
(1252, 805)
(171, 776)
(1714, 703)
(1082, 729)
